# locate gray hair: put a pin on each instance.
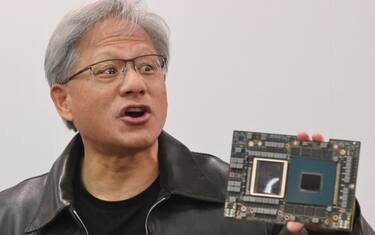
(62, 52)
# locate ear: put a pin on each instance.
(61, 99)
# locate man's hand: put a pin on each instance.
(295, 227)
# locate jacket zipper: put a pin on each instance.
(151, 209)
(78, 219)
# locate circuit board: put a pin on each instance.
(277, 178)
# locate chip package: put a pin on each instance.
(277, 178)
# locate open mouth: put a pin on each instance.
(136, 113)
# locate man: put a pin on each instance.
(106, 64)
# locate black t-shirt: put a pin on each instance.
(112, 218)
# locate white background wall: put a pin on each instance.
(257, 65)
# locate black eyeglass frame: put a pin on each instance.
(126, 61)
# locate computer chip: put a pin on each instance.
(277, 178)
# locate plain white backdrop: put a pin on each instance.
(256, 65)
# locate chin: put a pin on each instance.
(139, 140)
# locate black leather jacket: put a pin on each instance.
(193, 187)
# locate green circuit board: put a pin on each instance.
(277, 178)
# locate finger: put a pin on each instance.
(294, 227)
(303, 136)
(317, 137)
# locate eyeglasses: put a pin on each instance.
(148, 66)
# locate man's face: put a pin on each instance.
(101, 110)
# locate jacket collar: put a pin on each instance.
(179, 174)
(58, 191)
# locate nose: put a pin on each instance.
(132, 83)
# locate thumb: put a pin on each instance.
(294, 227)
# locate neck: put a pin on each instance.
(116, 177)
